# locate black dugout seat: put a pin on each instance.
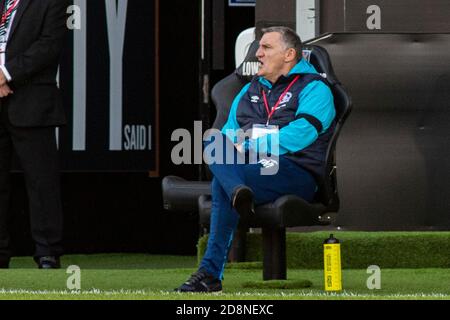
(288, 210)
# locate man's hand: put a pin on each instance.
(3, 79)
(5, 91)
(239, 147)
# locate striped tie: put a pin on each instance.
(2, 11)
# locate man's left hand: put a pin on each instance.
(5, 91)
(239, 147)
(3, 79)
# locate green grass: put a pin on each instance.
(115, 261)
(139, 276)
(359, 249)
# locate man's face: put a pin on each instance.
(271, 56)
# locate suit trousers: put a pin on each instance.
(38, 156)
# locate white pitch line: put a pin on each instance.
(235, 294)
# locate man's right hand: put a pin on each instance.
(5, 91)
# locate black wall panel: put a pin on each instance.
(393, 154)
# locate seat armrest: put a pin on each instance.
(182, 195)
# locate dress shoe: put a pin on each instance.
(243, 201)
(201, 281)
(48, 262)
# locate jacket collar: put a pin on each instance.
(22, 6)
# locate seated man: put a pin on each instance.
(287, 98)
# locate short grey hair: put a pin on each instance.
(289, 37)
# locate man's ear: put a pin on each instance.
(290, 55)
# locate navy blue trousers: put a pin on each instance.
(290, 179)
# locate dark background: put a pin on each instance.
(122, 212)
(139, 106)
(392, 155)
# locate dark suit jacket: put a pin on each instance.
(33, 51)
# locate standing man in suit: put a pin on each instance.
(32, 34)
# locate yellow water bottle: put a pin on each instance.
(332, 264)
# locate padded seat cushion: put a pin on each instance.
(286, 211)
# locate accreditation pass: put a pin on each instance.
(261, 130)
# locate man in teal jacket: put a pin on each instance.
(289, 103)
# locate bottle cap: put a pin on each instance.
(331, 240)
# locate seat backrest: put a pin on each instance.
(224, 92)
(319, 58)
